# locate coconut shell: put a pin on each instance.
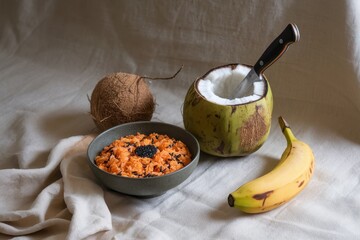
(228, 130)
(120, 98)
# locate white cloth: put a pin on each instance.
(36, 199)
(52, 54)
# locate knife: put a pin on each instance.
(273, 52)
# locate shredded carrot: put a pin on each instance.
(141, 156)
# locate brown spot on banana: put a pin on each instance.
(263, 196)
(311, 167)
(302, 182)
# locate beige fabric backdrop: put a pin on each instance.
(52, 53)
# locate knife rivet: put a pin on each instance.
(261, 63)
(281, 41)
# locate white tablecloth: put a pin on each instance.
(52, 54)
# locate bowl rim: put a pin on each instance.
(194, 158)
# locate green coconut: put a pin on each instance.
(229, 128)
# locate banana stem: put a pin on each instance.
(285, 128)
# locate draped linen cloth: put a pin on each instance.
(52, 54)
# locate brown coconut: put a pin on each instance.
(120, 98)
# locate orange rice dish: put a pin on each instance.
(141, 156)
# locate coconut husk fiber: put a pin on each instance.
(120, 98)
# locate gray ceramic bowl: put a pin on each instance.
(151, 186)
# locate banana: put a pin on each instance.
(280, 185)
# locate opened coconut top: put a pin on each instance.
(217, 85)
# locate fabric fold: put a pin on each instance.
(32, 201)
(83, 197)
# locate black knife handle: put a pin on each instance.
(277, 48)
